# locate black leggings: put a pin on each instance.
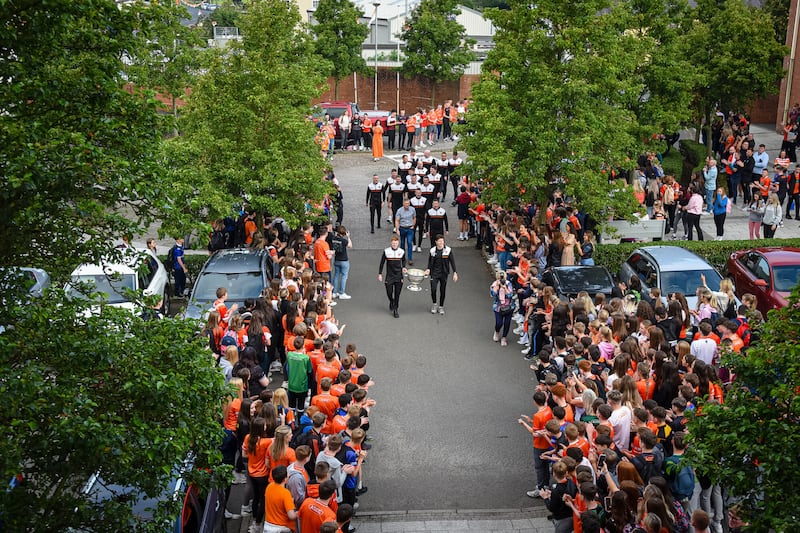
(297, 400)
(436, 282)
(373, 210)
(393, 290)
(502, 321)
(719, 221)
(693, 221)
(259, 488)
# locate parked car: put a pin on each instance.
(568, 281)
(141, 271)
(671, 269)
(200, 513)
(35, 280)
(243, 272)
(336, 109)
(768, 273)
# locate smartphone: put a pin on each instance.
(607, 503)
(601, 461)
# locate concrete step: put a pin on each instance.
(528, 520)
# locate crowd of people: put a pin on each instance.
(298, 449)
(769, 190)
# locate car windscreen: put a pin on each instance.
(240, 285)
(113, 286)
(687, 281)
(591, 280)
(786, 277)
(334, 112)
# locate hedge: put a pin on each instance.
(715, 252)
(194, 263)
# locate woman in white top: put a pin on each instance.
(773, 216)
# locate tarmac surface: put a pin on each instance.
(447, 452)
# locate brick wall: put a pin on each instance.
(414, 92)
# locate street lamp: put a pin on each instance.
(376, 4)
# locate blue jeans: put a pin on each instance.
(502, 259)
(340, 271)
(733, 186)
(587, 262)
(542, 468)
(710, 199)
(407, 241)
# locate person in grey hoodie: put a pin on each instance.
(773, 216)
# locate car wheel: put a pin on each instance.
(165, 302)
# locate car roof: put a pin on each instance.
(235, 260)
(130, 267)
(778, 255)
(673, 258)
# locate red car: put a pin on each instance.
(768, 273)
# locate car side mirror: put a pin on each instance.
(761, 283)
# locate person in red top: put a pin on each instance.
(323, 253)
(541, 440)
(326, 402)
(644, 383)
(329, 368)
(316, 511)
(221, 308)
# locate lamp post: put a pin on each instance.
(376, 4)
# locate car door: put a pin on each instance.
(746, 274)
(628, 268)
(159, 276)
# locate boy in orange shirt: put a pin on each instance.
(279, 504)
(221, 308)
(541, 441)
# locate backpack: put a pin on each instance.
(169, 263)
(681, 478)
(728, 206)
(217, 241)
(645, 464)
(239, 231)
(743, 331)
(669, 195)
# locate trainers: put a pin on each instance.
(503, 342)
(335, 295)
(441, 310)
(523, 339)
(533, 493)
(230, 516)
(275, 366)
(518, 331)
(285, 385)
(344, 296)
(247, 510)
(332, 304)
(434, 308)
(529, 356)
(496, 336)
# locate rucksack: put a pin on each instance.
(681, 477)
(669, 195)
(217, 241)
(239, 231)
(743, 331)
(170, 262)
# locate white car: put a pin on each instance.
(141, 272)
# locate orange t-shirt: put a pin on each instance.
(646, 388)
(249, 231)
(327, 404)
(277, 504)
(321, 260)
(313, 492)
(257, 463)
(316, 356)
(328, 370)
(366, 125)
(411, 124)
(233, 415)
(338, 389)
(286, 459)
(313, 513)
(539, 420)
(338, 424)
(354, 373)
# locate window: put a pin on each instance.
(762, 269)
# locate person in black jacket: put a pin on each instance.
(395, 261)
(440, 262)
(554, 498)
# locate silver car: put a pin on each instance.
(671, 269)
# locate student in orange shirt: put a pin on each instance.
(281, 514)
(323, 253)
(221, 308)
(256, 447)
(325, 401)
(249, 228)
(329, 368)
(316, 511)
(541, 440)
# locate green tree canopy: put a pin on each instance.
(245, 133)
(437, 46)
(557, 102)
(339, 37)
(732, 72)
(749, 445)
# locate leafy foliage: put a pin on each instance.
(749, 444)
(339, 36)
(245, 136)
(109, 393)
(436, 43)
(76, 148)
(729, 77)
(558, 77)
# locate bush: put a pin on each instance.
(194, 263)
(715, 252)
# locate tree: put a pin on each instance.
(749, 444)
(86, 388)
(557, 103)
(732, 73)
(245, 134)
(170, 56)
(339, 37)
(78, 152)
(436, 43)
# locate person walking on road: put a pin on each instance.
(375, 193)
(341, 262)
(404, 221)
(503, 294)
(394, 259)
(440, 261)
